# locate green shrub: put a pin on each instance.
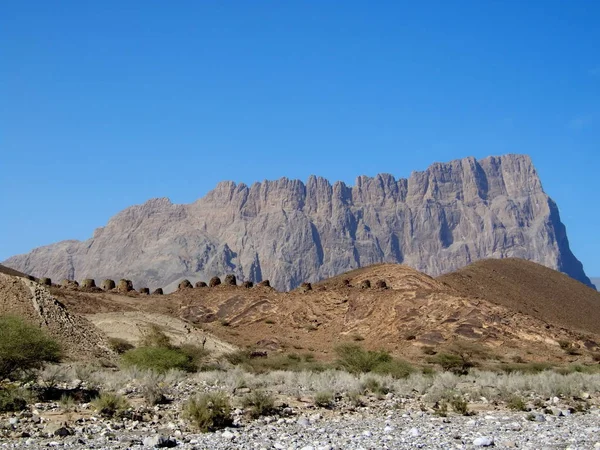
(119, 345)
(516, 403)
(375, 386)
(457, 364)
(355, 359)
(13, 399)
(196, 354)
(154, 336)
(24, 347)
(159, 359)
(396, 368)
(460, 405)
(238, 357)
(109, 404)
(324, 399)
(208, 412)
(260, 403)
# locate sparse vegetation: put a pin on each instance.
(460, 405)
(355, 359)
(110, 404)
(24, 348)
(457, 364)
(13, 399)
(259, 403)
(516, 403)
(324, 399)
(159, 359)
(208, 412)
(119, 345)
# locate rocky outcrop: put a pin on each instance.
(435, 221)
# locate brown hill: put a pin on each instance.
(532, 289)
(412, 311)
(25, 298)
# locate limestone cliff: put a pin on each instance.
(288, 231)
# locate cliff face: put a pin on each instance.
(288, 232)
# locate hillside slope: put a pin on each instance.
(532, 289)
(410, 312)
(289, 232)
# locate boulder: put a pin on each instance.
(108, 285)
(201, 284)
(230, 280)
(184, 284)
(264, 283)
(145, 291)
(157, 291)
(214, 281)
(247, 284)
(71, 284)
(45, 281)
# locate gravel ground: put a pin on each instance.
(369, 428)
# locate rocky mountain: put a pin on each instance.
(288, 231)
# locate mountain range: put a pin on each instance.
(289, 232)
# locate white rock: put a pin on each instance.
(388, 429)
(483, 442)
(13, 420)
(414, 432)
(279, 446)
(367, 433)
(308, 447)
(227, 434)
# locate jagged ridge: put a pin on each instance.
(435, 221)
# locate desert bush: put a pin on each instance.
(355, 359)
(159, 359)
(396, 368)
(196, 354)
(155, 392)
(13, 399)
(324, 399)
(457, 364)
(24, 348)
(110, 404)
(375, 386)
(516, 403)
(208, 412)
(460, 405)
(154, 336)
(119, 345)
(260, 403)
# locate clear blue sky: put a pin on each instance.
(104, 104)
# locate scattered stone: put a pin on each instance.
(145, 291)
(63, 432)
(227, 434)
(214, 281)
(157, 291)
(201, 284)
(483, 442)
(230, 280)
(184, 284)
(159, 441)
(365, 284)
(414, 432)
(108, 285)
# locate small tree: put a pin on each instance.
(24, 347)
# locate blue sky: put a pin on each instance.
(107, 104)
